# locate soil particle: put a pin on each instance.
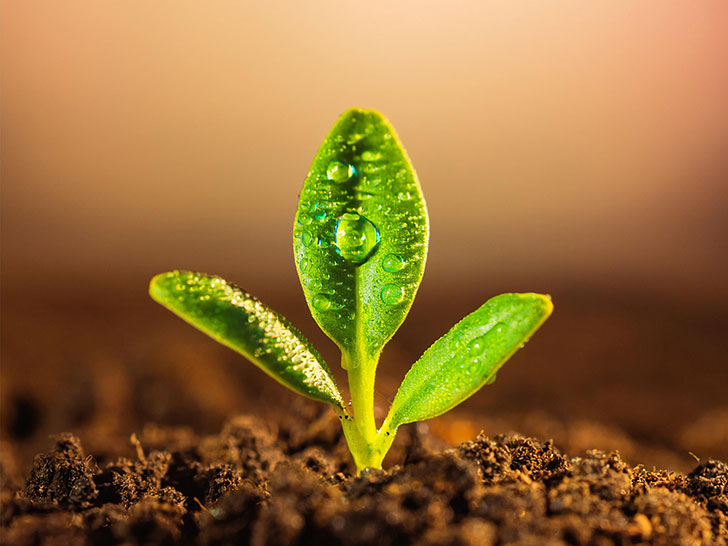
(260, 485)
(63, 476)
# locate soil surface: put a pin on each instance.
(644, 379)
(278, 482)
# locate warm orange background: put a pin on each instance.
(577, 148)
(584, 140)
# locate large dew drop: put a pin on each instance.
(392, 294)
(322, 302)
(339, 172)
(356, 237)
(392, 263)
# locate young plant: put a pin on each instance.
(360, 243)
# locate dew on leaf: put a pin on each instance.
(356, 237)
(322, 302)
(392, 294)
(339, 172)
(370, 155)
(320, 216)
(308, 238)
(476, 346)
(354, 138)
(392, 263)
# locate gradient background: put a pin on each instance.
(574, 148)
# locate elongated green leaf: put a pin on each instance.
(238, 320)
(360, 236)
(467, 357)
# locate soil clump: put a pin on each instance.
(253, 483)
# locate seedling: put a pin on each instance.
(360, 243)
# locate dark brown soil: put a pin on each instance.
(292, 484)
(645, 379)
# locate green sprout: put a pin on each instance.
(360, 244)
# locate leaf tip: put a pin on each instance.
(546, 303)
(541, 304)
(161, 285)
(357, 114)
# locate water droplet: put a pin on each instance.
(308, 238)
(339, 172)
(370, 168)
(353, 139)
(392, 294)
(356, 237)
(322, 302)
(304, 219)
(392, 263)
(303, 265)
(371, 155)
(476, 346)
(320, 216)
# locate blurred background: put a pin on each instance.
(578, 149)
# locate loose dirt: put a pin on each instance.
(271, 483)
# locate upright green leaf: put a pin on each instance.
(467, 357)
(360, 235)
(238, 320)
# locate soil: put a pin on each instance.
(642, 387)
(277, 482)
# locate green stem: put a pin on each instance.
(368, 446)
(360, 373)
(366, 454)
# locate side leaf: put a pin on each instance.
(360, 234)
(467, 357)
(246, 325)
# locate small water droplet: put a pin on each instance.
(392, 263)
(304, 219)
(370, 168)
(339, 172)
(476, 346)
(353, 139)
(392, 294)
(356, 237)
(320, 216)
(308, 239)
(303, 265)
(371, 155)
(322, 302)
